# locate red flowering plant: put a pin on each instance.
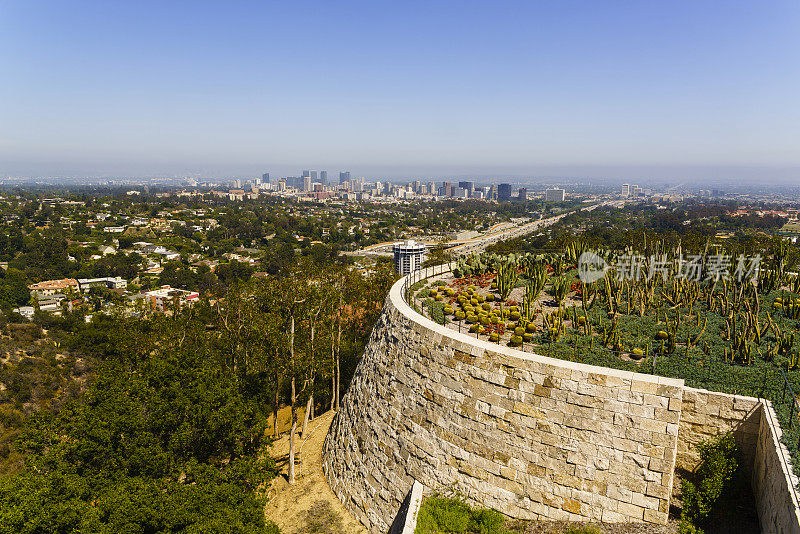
(576, 287)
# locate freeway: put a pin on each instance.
(479, 244)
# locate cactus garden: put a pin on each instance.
(729, 333)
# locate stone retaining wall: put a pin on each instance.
(773, 479)
(533, 437)
(708, 414)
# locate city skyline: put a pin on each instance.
(679, 91)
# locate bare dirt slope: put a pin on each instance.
(309, 505)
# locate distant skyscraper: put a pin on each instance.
(626, 190)
(305, 173)
(265, 177)
(523, 194)
(323, 177)
(504, 192)
(237, 184)
(344, 176)
(313, 176)
(306, 183)
(554, 195)
(448, 189)
(469, 186)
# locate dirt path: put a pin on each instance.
(309, 505)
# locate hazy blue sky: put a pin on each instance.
(141, 87)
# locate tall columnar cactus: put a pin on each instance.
(691, 341)
(506, 278)
(573, 251)
(533, 263)
(532, 291)
(794, 283)
(560, 289)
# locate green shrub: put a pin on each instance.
(717, 466)
(686, 527)
(582, 529)
(322, 519)
(452, 515)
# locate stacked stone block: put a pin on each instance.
(709, 414)
(530, 436)
(774, 481)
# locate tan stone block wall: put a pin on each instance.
(708, 414)
(774, 482)
(533, 437)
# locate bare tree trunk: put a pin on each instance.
(307, 415)
(291, 436)
(333, 371)
(275, 410)
(338, 352)
(310, 403)
(294, 408)
(275, 404)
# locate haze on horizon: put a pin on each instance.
(680, 90)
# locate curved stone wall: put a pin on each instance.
(531, 436)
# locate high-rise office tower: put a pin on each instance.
(306, 183)
(313, 176)
(408, 256)
(554, 195)
(305, 173)
(323, 177)
(504, 192)
(265, 177)
(344, 176)
(626, 190)
(469, 186)
(448, 189)
(523, 194)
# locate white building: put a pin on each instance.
(165, 297)
(554, 195)
(108, 282)
(408, 256)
